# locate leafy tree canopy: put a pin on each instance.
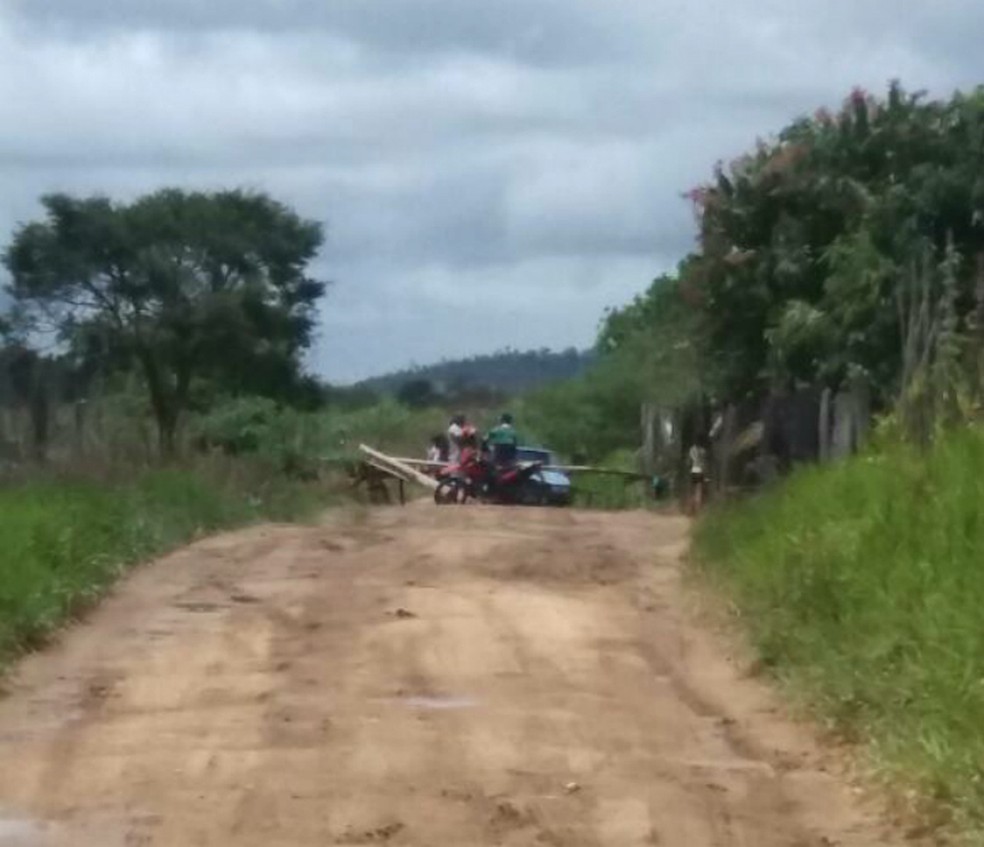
(809, 248)
(191, 288)
(806, 241)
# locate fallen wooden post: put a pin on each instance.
(397, 468)
(393, 472)
(401, 478)
(571, 469)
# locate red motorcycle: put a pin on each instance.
(477, 478)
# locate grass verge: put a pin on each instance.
(64, 542)
(862, 585)
(613, 493)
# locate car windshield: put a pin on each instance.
(526, 454)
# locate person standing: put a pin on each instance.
(437, 453)
(469, 445)
(503, 441)
(697, 458)
(456, 431)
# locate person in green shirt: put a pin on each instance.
(503, 441)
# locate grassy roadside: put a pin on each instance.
(862, 588)
(613, 493)
(63, 543)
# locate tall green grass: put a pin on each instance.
(613, 493)
(63, 543)
(862, 585)
(293, 439)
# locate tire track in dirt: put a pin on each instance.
(472, 676)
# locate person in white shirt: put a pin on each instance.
(698, 476)
(456, 430)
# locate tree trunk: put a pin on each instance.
(40, 410)
(163, 403)
(977, 336)
(724, 448)
(80, 410)
(649, 416)
(166, 436)
(823, 426)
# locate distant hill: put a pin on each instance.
(505, 372)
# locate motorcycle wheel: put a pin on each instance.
(450, 492)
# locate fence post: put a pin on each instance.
(840, 439)
(862, 412)
(823, 425)
(649, 415)
(724, 447)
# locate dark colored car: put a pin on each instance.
(554, 487)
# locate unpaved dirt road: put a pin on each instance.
(519, 677)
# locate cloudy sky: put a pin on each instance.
(491, 172)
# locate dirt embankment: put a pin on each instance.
(517, 677)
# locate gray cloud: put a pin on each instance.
(545, 32)
(491, 173)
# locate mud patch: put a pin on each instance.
(379, 835)
(590, 564)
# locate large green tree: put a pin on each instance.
(190, 288)
(806, 243)
(813, 251)
(657, 339)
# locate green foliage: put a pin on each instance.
(597, 491)
(807, 252)
(388, 426)
(284, 437)
(647, 352)
(656, 339)
(302, 441)
(189, 288)
(860, 584)
(242, 425)
(586, 418)
(610, 493)
(806, 242)
(63, 543)
(938, 384)
(418, 394)
(348, 397)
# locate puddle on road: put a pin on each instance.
(436, 703)
(19, 833)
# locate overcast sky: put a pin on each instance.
(491, 172)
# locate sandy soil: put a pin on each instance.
(440, 678)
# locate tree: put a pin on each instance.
(188, 287)
(805, 242)
(805, 247)
(657, 339)
(417, 394)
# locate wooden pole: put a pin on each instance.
(399, 469)
(648, 416)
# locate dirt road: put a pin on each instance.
(521, 677)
